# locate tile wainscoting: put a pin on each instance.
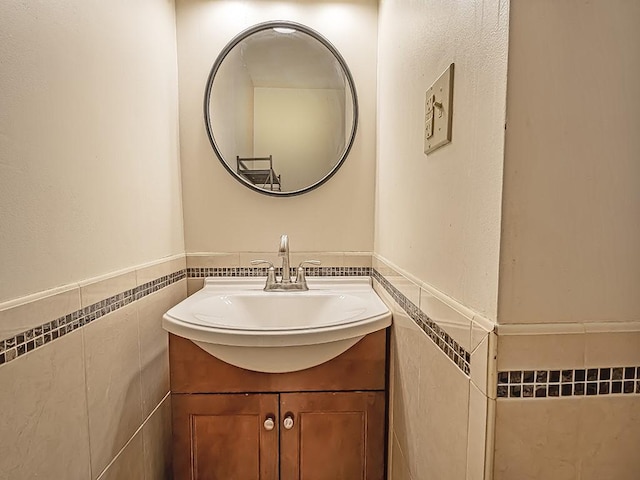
(439, 400)
(440, 338)
(568, 404)
(544, 401)
(85, 378)
(90, 360)
(13, 347)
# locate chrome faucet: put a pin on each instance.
(285, 284)
(283, 252)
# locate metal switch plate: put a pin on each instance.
(438, 112)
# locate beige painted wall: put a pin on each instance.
(571, 222)
(89, 172)
(438, 216)
(221, 214)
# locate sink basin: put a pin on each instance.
(234, 320)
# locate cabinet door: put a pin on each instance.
(335, 436)
(223, 437)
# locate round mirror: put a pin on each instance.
(280, 108)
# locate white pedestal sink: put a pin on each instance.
(234, 320)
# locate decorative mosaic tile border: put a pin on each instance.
(568, 383)
(201, 272)
(440, 338)
(14, 347)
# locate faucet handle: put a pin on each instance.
(271, 273)
(310, 262)
(260, 262)
(300, 275)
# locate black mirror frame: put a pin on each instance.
(207, 98)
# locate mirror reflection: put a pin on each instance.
(280, 108)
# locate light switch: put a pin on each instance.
(438, 112)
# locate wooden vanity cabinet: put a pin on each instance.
(329, 421)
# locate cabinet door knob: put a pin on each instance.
(288, 421)
(269, 423)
